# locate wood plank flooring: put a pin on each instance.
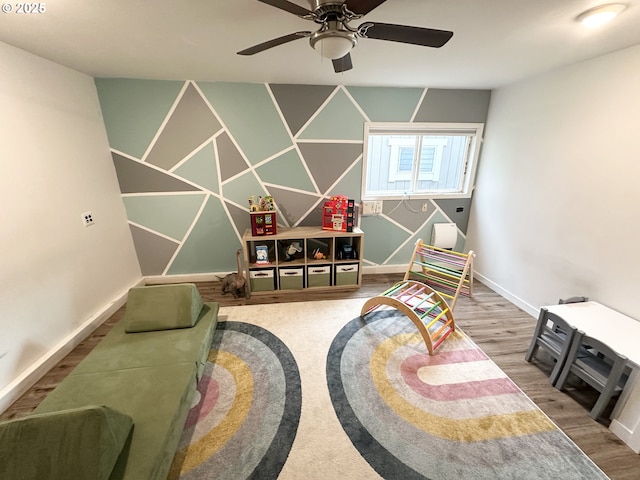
(501, 329)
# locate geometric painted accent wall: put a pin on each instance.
(189, 154)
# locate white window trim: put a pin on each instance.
(468, 180)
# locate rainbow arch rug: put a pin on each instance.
(453, 415)
(310, 390)
(247, 408)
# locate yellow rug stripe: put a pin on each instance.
(210, 443)
(462, 430)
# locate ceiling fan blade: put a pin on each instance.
(273, 43)
(427, 37)
(342, 64)
(288, 7)
(363, 7)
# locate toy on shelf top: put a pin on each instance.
(263, 204)
(339, 213)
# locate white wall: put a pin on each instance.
(557, 207)
(56, 276)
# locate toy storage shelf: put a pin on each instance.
(291, 264)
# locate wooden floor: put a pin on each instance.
(502, 330)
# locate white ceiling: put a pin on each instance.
(495, 42)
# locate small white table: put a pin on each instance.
(622, 333)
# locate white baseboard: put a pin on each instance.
(46, 362)
(626, 435)
(376, 269)
(517, 301)
(186, 278)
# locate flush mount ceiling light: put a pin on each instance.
(598, 16)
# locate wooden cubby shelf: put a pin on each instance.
(303, 258)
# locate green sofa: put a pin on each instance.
(136, 386)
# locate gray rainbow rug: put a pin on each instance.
(311, 390)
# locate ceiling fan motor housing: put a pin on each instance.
(325, 9)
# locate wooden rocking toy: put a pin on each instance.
(426, 308)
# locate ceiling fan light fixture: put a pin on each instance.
(598, 16)
(333, 44)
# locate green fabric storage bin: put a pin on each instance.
(262, 280)
(291, 278)
(347, 274)
(319, 276)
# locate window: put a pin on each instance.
(420, 159)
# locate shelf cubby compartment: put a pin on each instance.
(347, 249)
(252, 245)
(322, 246)
(288, 253)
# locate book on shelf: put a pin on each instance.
(262, 255)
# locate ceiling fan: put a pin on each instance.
(335, 38)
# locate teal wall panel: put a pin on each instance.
(382, 238)
(133, 110)
(251, 117)
(385, 104)
(339, 119)
(241, 188)
(201, 169)
(211, 245)
(170, 215)
(286, 170)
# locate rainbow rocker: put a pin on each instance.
(426, 308)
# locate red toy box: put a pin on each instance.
(263, 223)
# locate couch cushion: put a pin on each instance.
(81, 444)
(156, 398)
(119, 350)
(162, 307)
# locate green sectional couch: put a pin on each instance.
(145, 370)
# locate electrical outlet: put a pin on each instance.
(425, 207)
(87, 219)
